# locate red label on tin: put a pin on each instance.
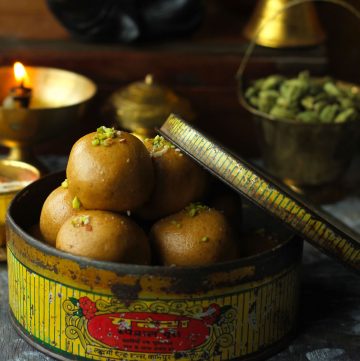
(149, 332)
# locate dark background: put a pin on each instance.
(200, 67)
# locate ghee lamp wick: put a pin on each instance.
(18, 96)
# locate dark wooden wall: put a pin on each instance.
(202, 67)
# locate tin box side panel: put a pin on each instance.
(245, 321)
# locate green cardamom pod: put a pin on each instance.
(346, 115)
(331, 89)
(346, 103)
(272, 82)
(328, 114)
(308, 117)
(254, 101)
(282, 113)
(308, 102)
(251, 91)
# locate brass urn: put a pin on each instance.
(143, 106)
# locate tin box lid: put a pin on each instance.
(145, 105)
(317, 227)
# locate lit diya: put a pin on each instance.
(38, 104)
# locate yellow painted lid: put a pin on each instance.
(316, 226)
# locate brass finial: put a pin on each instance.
(149, 79)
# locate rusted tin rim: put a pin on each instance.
(291, 245)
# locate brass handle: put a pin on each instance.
(290, 4)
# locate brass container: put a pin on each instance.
(58, 100)
(278, 24)
(14, 176)
(72, 307)
(305, 154)
(143, 106)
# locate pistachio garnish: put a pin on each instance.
(80, 221)
(205, 239)
(176, 224)
(159, 146)
(76, 204)
(104, 136)
(65, 184)
(194, 209)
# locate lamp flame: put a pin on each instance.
(19, 73)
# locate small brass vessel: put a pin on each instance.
(58, 100)
(274, 24)
(144, 105)
(302, 154)
(14, 176)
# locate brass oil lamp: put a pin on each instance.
(38, 105)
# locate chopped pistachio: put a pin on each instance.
(80, 221)
(160, 142)
(176, 224)
(76, 204)
(205, 239)
(65, 184)
(104, 136)
(194, 209)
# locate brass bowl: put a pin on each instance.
(14, 176)
(305, 154)
(58, 100)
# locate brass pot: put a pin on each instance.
(143, 106)
(305, 154)
(14, 176)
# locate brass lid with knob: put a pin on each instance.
(144, 105)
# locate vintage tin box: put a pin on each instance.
(75, 308)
